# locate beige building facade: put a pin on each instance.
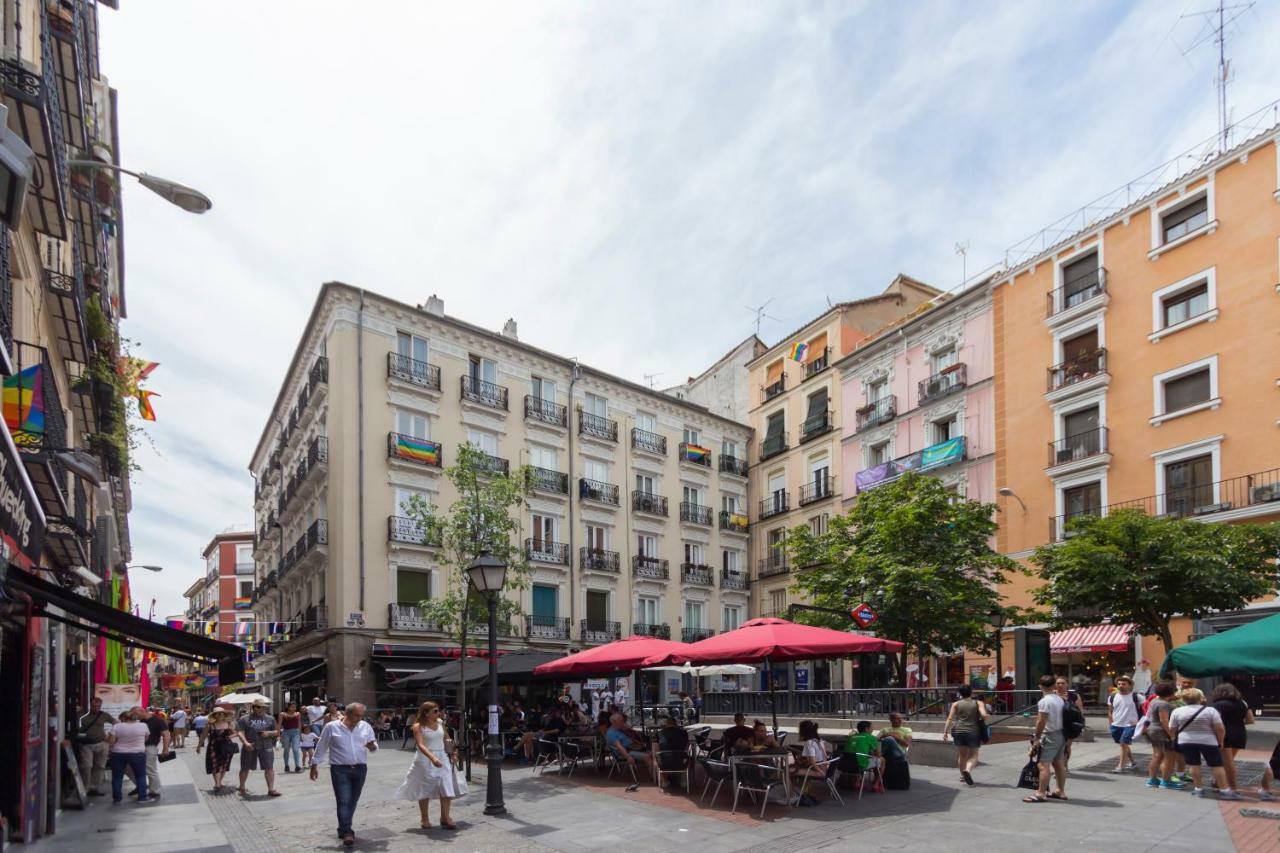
(634, 524)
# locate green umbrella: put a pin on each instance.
(1249, 649)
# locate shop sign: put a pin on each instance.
(802, 678)
(21, 518)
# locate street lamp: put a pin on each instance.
(190, 200)
(144, 566)
(488, 574)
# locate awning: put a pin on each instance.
(295, 669)
(1091, 638)
(512, 667)
(106, 621)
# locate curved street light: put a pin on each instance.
(190, 200)
(144, 566)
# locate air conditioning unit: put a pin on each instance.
(1265, 494)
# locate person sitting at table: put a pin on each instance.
(861, 750)
(549, 728)
(814, 752)
(762, 739)
(673, 748)
(624, 746)
(738, 733)
(895, 736)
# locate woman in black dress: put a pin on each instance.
(221, 746)
(1235, 714)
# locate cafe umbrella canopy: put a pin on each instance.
(630, 654)
(770, 640)
(1249, 649)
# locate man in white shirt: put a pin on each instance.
(1053, 742)
(1122, 715)
(345, 746)
(620, 697)
(315, 713)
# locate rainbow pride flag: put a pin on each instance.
(24, 404)
(244, 629)
(243, 602)
(418, 449)
(696, 453)
(798, 352)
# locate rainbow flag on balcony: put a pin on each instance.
(24, 404)
(243, 602)
(418, 449)
(798, 351)
(696, 453)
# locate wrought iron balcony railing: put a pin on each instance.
(693, 635)
(695, 513)
(776, 504)
(484, 393)
(594, 631)
(539, 551)
(546, 627)
(815, 426)
(645, 629)
(409, 617)
(819, 364)
(597, 426)
(818, 489)
(699, 574)
(734, 522)
(1080, 446)
(649, 502)
(695, 454)
(773, 445)
(733, 580)
(494, 465)
(650, 567)
(876, 412)
(409, 531)
(593, 490)
(942, 383)
(415, 372)
(772, 389)
(598, 560)
(651, 442)
(546, 480)
(67, 313)
(545, 411)
(1084, 366)
(733, 465)
(1077, 292)
(413, 449)
(774, 564)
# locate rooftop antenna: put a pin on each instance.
(1213, 27)
(760, 315)
(962, 249)
(649, 377)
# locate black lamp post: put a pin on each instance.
(488, 574)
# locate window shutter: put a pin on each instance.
(774, 372)
(817, 406)
(774, 428)
(817, 348)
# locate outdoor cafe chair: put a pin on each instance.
(679, 762)
(755, 779)
(570, 751)
(873, 768)
(831, 775)
(616, 763)
(718, 772)
(544, 752)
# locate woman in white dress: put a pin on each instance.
(432, 775)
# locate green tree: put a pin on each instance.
(480, 519)
(919, 556)
(1141, 569)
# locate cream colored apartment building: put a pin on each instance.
(797, 419)
(635, 523)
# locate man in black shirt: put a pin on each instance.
(738, 731)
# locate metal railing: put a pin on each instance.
(318, 452)
(546, 627)
(876, 412)
(484, 393)
(772, 445)
(1082, 445)
(642, 439)
(594, 490)
(600, 632)
(693, 635)
(649, 502)
(733, 580)
(819, 364)
(644, 629)
(773, 389)
(695, 513)
(912, 703)
(774, 564)
(776, 504)
(539, 551)
(395, 451)
(695, 454)
(494, 465)
(817, 490)
(408, 617)
(1082, 367)
(408, 531)
(546, 411)
(597, 426)
(733, 465)
(546, 480)
(734, 522)
(599, 560)
(943, 383)
(650, 567)
(419, 373)
(815, 426)
(1077, 292)
(6, 293)
(53, 435)
(697, 573)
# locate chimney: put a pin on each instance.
(434, 305)
(509, 330)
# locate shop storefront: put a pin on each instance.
(1091, 656)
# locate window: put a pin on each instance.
(598, 471)
(877, 454)
(407, 423)
(644, 484)
(1182, 306)
(944, 430)
(818, 524)
(543, 389)
(877, 391)
(544, 457)
(412, 586)
(485, 442)
(778, 602)
(246, 589)
(731, 504)
(1187, 390)
(775, 439)
(646, 422)
(597, 608)
(544, 602)
(1081, 436)
(730, 618)
(412, 346)
(693, 614)
(816, 419)
(1085, 499)
(1188, 484)
(403, 497)
(646, 546)
(597, 537)
(729, 449)
(692, 553)
(596, 405)
(647, 611)
(732, 561)
(1080, 280)
(544, 531)
(940, 361)
(693, 496)
(483, 369)
(1182, 220)
(777, 540)
(691, 436)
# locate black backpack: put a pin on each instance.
(1072, 720)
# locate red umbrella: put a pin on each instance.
(619, 656)
(770, 640)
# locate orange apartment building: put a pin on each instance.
(1136, 366)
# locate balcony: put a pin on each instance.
(817, 490)
(698, 574)
(314, 618)
(815, 426)
(1078, 448)
(1249, 496)
(876, 412)
(943, 383)
(417, 373)
(1077, 371)
(481, 629)
(776, 504)
(547, 553)
(774, 564)
(484, 393)
(819, 364)
(733, 465)
(318, 452)
(545, 411)
(597, 560)
(695, 513)
(1068, 297)
(650, 567)
(35, 115)
(494, 466)
(730, 579)
(935, 456)
(734, 522)
(408, 531)
(409, 617)
(597, 492)
(546, 627)
(693, 635)
(546, 480)
(773, 445)
(773, 389)
(695, 454)
(66, 302)
(594, 631)
(644, 629)
(649, 442)
(649, 502)
(6, 304)
(409, 448)
(596, 426)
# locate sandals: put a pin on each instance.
(1056, 796)
(426, 825)
(1034, 799)
(449, 825)
(274, 794)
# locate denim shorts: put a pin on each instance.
(969, 740)
(1122, 734)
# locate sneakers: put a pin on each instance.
(1153, 783)
(1199, 792)
(1173, 784)
(1228, 794)
(1266, 796)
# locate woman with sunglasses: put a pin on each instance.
(432, 775)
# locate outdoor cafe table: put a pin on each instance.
(586, 745)
(776, 758)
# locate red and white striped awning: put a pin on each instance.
(1091, 638)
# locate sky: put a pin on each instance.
(570, 164)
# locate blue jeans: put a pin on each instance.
(137, 761)
(289, 740)
(348, 782)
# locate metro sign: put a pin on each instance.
(863, 615)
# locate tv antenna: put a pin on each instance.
(962, 249)
(761, 315)
(1213, 28)
(649, 377)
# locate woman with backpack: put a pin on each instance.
(966, 722)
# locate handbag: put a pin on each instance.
(1030, 775)
(1187, 723)
(168, 756)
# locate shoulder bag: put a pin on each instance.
(1180, 728)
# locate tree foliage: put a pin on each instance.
(1142, 569)
(480, 519)
(919, 556)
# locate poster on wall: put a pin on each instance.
(980, 674)
(802, 678)
(118, 698)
